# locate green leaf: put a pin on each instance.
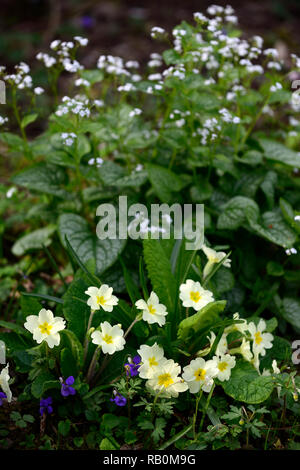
(68, 364)
(76, 313)
(160, 274)
(202, 191)
(273, 227)
(12, 140)
(290, 310)
(13, 327)
(64, 427)
(175, 438)
(223, 280)
(28, 119)
(34, 240)
(83, 146)
(44, 178)
(164, 182)
(279, 153)
(275, 269)
(92, 76)
(268, 187)
(86, 243)
(236, 212)
(134, 180)
(43, 382)
(246, 385)
(29, 306)
(43, 296)
(106, 444)
(207, 316)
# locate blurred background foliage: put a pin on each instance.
(121, 27)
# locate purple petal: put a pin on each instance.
(137, 359)
(70, 380)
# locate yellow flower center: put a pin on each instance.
(200, 374)
(100, 300)
(152, 361)
(222, 366)
(258, 337)
(165, 380)
(195, 296)
(45, 328)
(107, 338)
(151, 309)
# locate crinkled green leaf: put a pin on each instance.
(205, 317)
(246, 385)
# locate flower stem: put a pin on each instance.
(138, 318)
(206, 406)
(196, 413)
(153, 408)
(92, 364)
(86, 340)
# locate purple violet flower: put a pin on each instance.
(87, 21)
(45, 406)
(132, 366)
(2, 395)
(66, 388)
(118, 399)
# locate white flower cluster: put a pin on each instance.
(64, 51)
(155, 60)
(77, 105)
(3, 120)
(135, 112)
(226, 116)
(68, 138)
(112, 65)
(157, 32)
(21, 79)
(96, 161)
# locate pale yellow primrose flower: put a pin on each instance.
(193, 295)
(152, 357)
(110, 338)
(244, 349)
(153, 311)
(261, 340)
(241, 327)
(224, 365)
(199, 374)
(45, 327)
(101, 298)
(214, 257)
(166, 380)
(4, 379)
(222, 344)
